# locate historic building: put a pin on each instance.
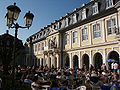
(6, 50)
(88, 35)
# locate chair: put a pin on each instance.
(81, 88)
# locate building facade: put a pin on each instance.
(87, 36)
(7, 47)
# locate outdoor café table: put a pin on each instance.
(46, 87)
(44, 82)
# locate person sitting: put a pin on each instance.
(53, 83)
(28, 80)
(35, 85)
(94, 78)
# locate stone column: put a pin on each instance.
(52, 60)
(44, 60)
(48, 61)
(104, 56)
(80, 60)
(57, 56)
(90, 58)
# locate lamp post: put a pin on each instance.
(11, 17)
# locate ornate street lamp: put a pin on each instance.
(11, 16)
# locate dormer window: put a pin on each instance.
(47, 31)
(44, 33)
(95, 8)
(66, 22)
(59, 25)
(54, 26)
(74, 19)
(51, 27)
(34, 37)
(40, 34)
(109, 3)
(37, 36)
(84, 14)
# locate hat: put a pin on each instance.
(93, 74)
(36, 74)
(118, 81)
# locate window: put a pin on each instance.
(42, 46)
(55, 27)
(109, 3)
(37, 36)
(45, 44)
(40, 34)
(75, 37)
(59, 25)
(95, 8)
(111, 26)
(96, 31)
(66, 39)
(66, 22)
(74, 19)
(47, 31)
(83, 14)
(84, 34)
(35, 48)
(38, 47)
(44, 32)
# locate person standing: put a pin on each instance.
(112, 66)
(103, 67)
(35, 85)
(115, 67)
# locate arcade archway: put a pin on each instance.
(75, 61)
(67, 62)
(85, 61)
(113, 55)
(98, 60)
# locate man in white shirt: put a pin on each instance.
(112, 66)
(115, 66)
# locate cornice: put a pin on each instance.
(91, 46)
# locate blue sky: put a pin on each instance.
(45, 12)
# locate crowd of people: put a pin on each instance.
(65, 78)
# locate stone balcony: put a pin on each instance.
(118, 36)
(51, 51)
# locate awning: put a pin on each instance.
(112, 60)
